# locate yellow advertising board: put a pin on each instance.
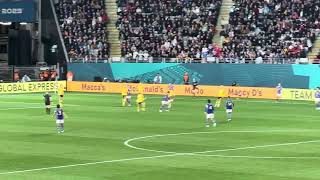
(298, 94)
(180, 90)
(31, 87)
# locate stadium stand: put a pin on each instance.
(83, 25)
(271, 30)
(167, 29)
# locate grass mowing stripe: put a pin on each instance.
(97, 128)
(87, 164)
(170, 155)
(127, 142)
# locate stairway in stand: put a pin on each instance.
(315, 50)
(223, 19)
(113, 33)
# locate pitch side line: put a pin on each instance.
(17, 102)
(201, 98)
(22, 108)
(87, 164)
(198, 98)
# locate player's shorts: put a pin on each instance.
(48, 106)
(317, 100)
(229, 110)
(165, 102)
(60, 121)
(210, 116)
(128, 97)
(279, 95)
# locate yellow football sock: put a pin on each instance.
(61, 102)
(218, 103)
(123, 101)
(143, 106)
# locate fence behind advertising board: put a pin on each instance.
(181, 90)
(15, 73)
(18, 11)
(32, 87)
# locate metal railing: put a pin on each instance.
(16, 73)
(197, 60)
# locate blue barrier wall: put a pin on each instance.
(257, 75)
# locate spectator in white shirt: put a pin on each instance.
(157, 79)
(25, 78)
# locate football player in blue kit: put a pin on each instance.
(165, 103)
(59, 118)
(209, 112)
(229, 108)
(279, 92)
(317, 98)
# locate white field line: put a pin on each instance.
(17, 102)
(87, 164)
(162, 156)
(204, 99)
(255, 147)
(256, 157)
(24, 108)
(198, 98)
(127, 143)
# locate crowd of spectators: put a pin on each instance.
(167, 28)
(48, 75)
(271, 29)
(83, 25)
(258, 30)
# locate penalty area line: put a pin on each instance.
(87, 164)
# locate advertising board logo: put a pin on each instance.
(12, 11)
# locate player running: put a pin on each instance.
(279, 91)
(209, 112)
(229, 108)
(195, 88)
(219, 99)
(61, 95)
(47, 102)
(317, 98)
(141, 105)
(171, 95)
(59, 119)
(126, 96)
(165, 103)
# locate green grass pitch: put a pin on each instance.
(266, 140)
